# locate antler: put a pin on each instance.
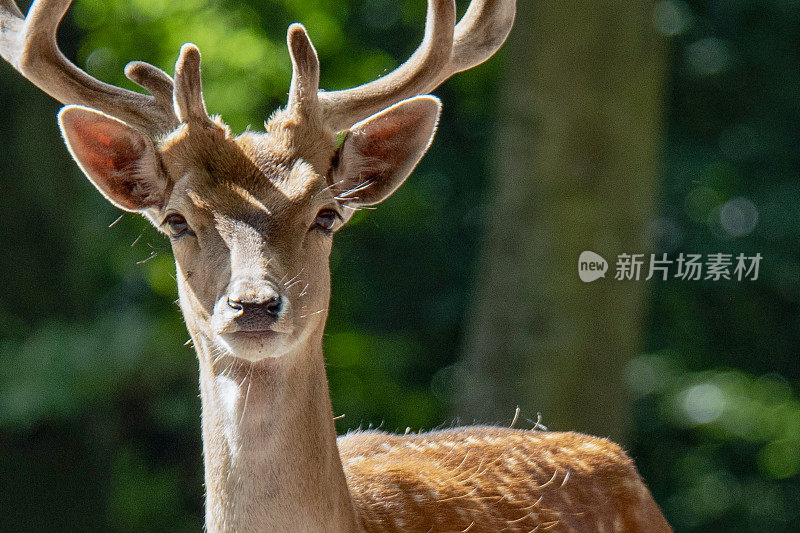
(446, 49)
(303, 93)
(29, 45)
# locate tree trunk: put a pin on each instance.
(576, 163)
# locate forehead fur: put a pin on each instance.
(264, 170)
(286, 156)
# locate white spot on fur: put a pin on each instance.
(355, 460)
(591, 446)
(228, 390)
(580, 464)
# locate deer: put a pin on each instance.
(251, 219)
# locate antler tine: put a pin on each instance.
(190, 107)
(444, 52)
(481, 32)
(342, 109)
(305, 70)
(29, 45)
(152, 78)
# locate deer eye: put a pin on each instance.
(326, 220)
(177, 226)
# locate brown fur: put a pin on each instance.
(483, 479)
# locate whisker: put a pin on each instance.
(329, 187)
(295, 277)
(115, 222)
(292, 284)
(360, 187)
(246, 394)
(146, 259)
(343, 198)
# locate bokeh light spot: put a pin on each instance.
(708, 56)
(672, 17)
(738, 216)
(703, 403)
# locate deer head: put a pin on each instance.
(250, 218)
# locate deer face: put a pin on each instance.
(251, 218)
(251, 227)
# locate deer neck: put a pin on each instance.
(269, 443)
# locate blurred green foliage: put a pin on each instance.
(716, 401)
(99, 415)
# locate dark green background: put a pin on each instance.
(99, 413)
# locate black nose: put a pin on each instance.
(254, 304)
(271, 307)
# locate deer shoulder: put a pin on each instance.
(483, 478)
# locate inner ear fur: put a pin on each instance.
(119, 160)
(379, 153)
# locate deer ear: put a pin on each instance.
(119, 160)
(379, 153)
